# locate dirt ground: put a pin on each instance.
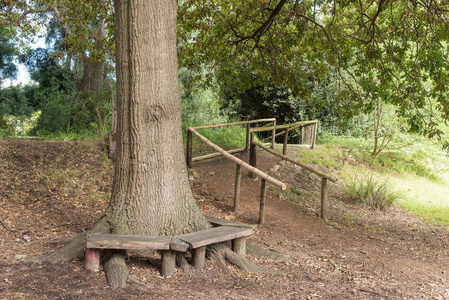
(53, 191)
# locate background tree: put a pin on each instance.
(388, 50)
(81, 29)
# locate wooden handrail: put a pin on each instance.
(304, 166)
(235, 123)
(293, 125)
(231, 157)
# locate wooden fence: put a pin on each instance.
(324, 177)
(190, 158)
(308, 137)
(240, 163)
(308, 134)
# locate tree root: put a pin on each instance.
(264, 253)
(115, 268)
(224, 255)
(73, 250)
(117, 272)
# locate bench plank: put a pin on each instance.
(220, 222)
(214, 235)
(129, 242)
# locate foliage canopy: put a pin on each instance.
(389, 50)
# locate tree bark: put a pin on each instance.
(93, 75)
(151, 193)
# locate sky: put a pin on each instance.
(23, 76)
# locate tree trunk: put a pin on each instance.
(93, 75)
(151, 193)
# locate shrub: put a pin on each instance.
(372, 192)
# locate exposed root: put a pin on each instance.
(135, 280)
(181, 263)
(224, 255)
(73, 250)
(263, 253)
(115, 268)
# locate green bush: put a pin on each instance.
(372, 192)
(56, 111)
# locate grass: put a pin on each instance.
(416, 169)
(413, 173)
(371, 191)
(425, 198)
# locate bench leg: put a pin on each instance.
(239, 246)
(92, 260)
(168, 263)
(199, 257)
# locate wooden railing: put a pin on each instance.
(308, 134)
(190, 158)
(309, 129)
(324, 177)
(240, 163)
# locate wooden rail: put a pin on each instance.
(189, 155)
(308, 134)
(302, 165)
(235, 123)
(297, 124)
(325, 177)
(240, 163)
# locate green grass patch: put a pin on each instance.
(371, 191)
(425, 198)
(413, 171)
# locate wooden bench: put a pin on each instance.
(220, 222)
(200, 239)
(166, 245)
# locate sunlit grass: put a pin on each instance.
(425, 198)
(413, 166)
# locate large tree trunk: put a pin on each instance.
(151, 193)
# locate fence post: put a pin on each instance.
(237, 187)
(314, 131)
(248, 128)
(273, 138)
(284, 150)
(189, 149)
(324, 199)
(262, 201)
(252, 154)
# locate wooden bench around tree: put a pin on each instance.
(220, 222)
(200, 239)
(168, 246)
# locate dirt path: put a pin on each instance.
(359, 254)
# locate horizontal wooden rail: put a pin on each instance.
(292, 125)
(304, 166)
(216, 154)
(235, 123)
(231, 157)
